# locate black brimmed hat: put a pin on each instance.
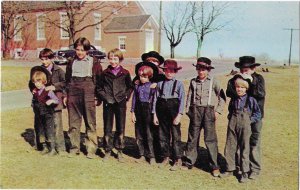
(203, 62)
(145, 63)
(171, 64)
(153, 54)
(42, 69)
(245, 62)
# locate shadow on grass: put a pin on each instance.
(131, 149)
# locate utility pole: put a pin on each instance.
(291, 29)
(159, 29)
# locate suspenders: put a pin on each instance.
(173, 89)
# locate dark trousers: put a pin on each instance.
(238, 137)
(166, 111)
(143, 129)
(59, 132)
(255, 151)
(47, 125)
(202, 117)
(81, 103)
(39, 133)
(117, 110)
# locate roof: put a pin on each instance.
(127, 23)
(33, 6)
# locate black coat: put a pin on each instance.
(111, 88)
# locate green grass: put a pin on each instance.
(14, 78)
(22, 167)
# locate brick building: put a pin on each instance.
(126, 25)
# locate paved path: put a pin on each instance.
(22, 98)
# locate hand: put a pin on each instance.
(177, 119)
(65, 99)
(155, 120)
(133, 118)
(98, 102)
(48, 88)
(49, 102)
(153, 85)
(137, 82)
(216, 115)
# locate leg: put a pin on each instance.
(164, 130)
(255, 151)
(120, 114)
(138, 133)
(244, 144)
(59, 133)
(148, 132)
(39, 133)
(108, 119)
(50, 132)
(231, 145)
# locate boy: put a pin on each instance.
(43, 108)
(168, 108)
(141, 113)
(205, 102)
(247, 65)
(114, 88)
(57, 78)
(82, 71)
(243, 111)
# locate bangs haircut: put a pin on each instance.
(242, 83)
(116, 52)
(85, 43)
(146, 71)
(39, 76)
(46, 53)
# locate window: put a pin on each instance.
(64, 26)
(97, 18)
(18, 53)
(41, 27)
(18, 28)
(122, 45)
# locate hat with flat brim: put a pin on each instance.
(41, 69)
(171, 64)
(245, 62)
(145, 63)
(203, 65)
(153, 54)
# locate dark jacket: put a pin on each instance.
(96, 69)
(111, 88)
(57, 79)
(39, 104)
(256, 90)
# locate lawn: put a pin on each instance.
(23, 167)
(14, 78)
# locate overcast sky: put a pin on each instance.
(256, 28)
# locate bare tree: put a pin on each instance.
(77, 16)
(205, 19)
(13, 22)
(177, 24)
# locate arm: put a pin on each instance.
(221, 97)
(59, 86)
(258, 87)
(230, 91)
(256, 113)
(189, 97)
(53, 98)
(129, 86)
(133, 101)
(181, 97)
(100, 91)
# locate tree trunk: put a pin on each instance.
(172, 51)
(6, 50)
(199, 46)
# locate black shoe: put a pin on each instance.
(226, 174)
(253, 175)
(244, 178)
(120, 157)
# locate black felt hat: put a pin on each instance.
(153, 54)
(42, 69)
(245, 62)
(145, 63)
(203, 62)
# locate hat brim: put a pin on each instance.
(41, 69)
(203, 66)
(245, 65)
(149, 64)
(176, 69)
(156, 56)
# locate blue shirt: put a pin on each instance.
(167, 93)
(239, 104)
(142, 93)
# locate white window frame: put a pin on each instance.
(120, 42)
(146, 40)
(38, 36)
(17, 36)
(62, 14)
(97, 18)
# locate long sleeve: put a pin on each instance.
(258, 86)
(220, 96)
(181, 97)
(100, 92)
(129, 85)
(189, 97)
(60, 86)
(133, 101)
(53, 97)
(256, 113)
(156, 94)
(230, 91)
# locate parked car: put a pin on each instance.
(61, 56)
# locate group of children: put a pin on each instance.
(156, 109)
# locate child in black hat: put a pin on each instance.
(168, 108)
(141, 112)
(247, 65)
(205, 101)
(243, 111)
(43, 109)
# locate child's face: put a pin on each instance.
(80, 52)
(202, 73)
(241, 91)
(114, 61)
(144, 79)
(46, 61)
(39, 84)
(169, 73)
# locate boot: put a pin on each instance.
(52, 151)
(45, 149)
(120, 157)
(106, 156)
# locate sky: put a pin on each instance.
(256, 28)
